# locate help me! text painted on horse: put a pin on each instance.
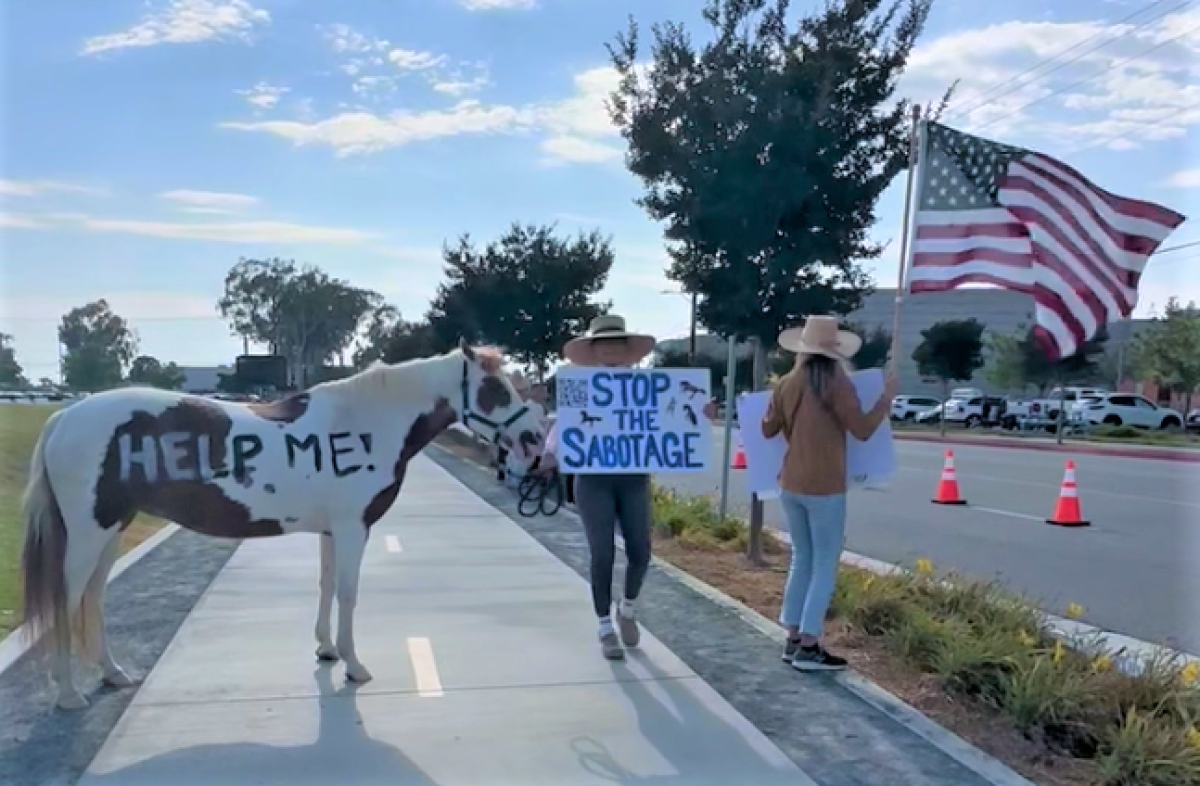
(634, 400)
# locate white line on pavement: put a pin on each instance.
(1009, 513)
(393, 544)
(429, 683)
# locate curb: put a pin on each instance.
(1128, 654)
(17, 643)
(1183, 456)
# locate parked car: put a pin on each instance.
(908, 407)
(1193, 420)
(1126, 409)
(970, 412)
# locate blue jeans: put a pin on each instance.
(817, 526)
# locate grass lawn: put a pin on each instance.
(20, 425)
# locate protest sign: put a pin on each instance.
(629, 420)
(867, 463)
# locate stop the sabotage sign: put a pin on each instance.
(616, 421)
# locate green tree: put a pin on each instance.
(950, 350)
(380, 325)
(12, 376)
(149, 371)
(530, 291)
(408, 341)
(765, 151)
(1167, 352)
(876, 347)
(1006, 360)
(298, 312)
(97, 347)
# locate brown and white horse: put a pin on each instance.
(328, 461)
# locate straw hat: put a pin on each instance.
(820, 336)
(580, 350)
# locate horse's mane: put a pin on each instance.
(395, 380)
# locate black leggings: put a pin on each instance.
(603, 501)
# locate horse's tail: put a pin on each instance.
(44, 557)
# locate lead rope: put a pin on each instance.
(537, 488)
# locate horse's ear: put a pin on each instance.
(466, 348)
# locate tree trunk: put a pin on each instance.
(945, 396)
(754, 550)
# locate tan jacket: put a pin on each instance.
(815, 462)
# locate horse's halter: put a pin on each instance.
(468, 415)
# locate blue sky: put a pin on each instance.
(149, 145)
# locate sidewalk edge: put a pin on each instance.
(17, 643)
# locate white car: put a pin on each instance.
(1126, 409)
(910, 407)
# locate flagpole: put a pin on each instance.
(914, 164)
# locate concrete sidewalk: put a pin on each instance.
(486, 672)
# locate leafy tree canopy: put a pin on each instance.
(530, 291)
(149, 371)
(1168, 350)
(12, 376)
(765, 151)
(298, 312)
(950, 350)
(98, 345)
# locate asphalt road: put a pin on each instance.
(1136, 570)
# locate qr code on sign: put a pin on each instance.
(573, 393)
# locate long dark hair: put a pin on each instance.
(819, 372)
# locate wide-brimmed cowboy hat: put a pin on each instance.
(609, 326)
(820, 335)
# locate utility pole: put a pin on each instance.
(692, 339)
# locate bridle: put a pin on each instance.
(468, 415)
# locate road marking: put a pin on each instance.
(429, 683)
(968, 476)
(1011, 514)
(393, 544)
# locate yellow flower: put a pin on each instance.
(1189, 675)
(1059, 652)
(1074, 611)
(1026, 639)
(1102, 664)
(1193, 737)
(924, 567)
(867, 584)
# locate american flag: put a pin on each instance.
(990, 213)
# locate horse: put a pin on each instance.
(328, 461)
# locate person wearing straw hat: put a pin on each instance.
(604, 501)
(815, 406)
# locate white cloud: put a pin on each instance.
(344, 38)
(497, 5)
(577, 129)
(29, 188)
(570, 149)
(460, 87)
(1185, 178)
(1139, 87)
(353, 133)
(209, 199)
(13, 221)
(217, 232)
(228, 232)
(185, 22)
(208, 211)
(263, 95)
(409, 60)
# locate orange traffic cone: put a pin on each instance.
(739, 455)
(1067, 512)
(947, 489)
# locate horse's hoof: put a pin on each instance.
(327, 654)
(358, 674)
(72, 701)
(119, 679)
